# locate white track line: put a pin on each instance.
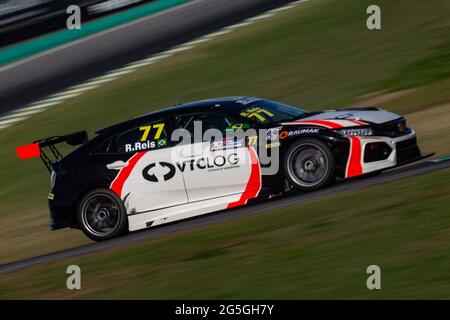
(220, 32)
(264, 16)
(93, 82)
(73, 91)
(9, 121)
(21, 114)
(197, 41)
(58, 98)
(37, 106)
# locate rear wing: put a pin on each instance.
(52, 156)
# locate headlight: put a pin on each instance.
(356, 132)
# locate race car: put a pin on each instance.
(210, 155)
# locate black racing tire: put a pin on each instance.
(309, 165)
(101, 215)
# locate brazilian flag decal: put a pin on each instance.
(162, 143)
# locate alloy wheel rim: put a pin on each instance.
(100, 215)
(308, 165)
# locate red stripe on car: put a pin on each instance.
(254, 182)
(359, 123)
(125, 172)
(324, 123)
(354, 167)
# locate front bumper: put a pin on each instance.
(403, 150)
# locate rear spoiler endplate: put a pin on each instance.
(36, 148)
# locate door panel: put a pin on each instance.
(214, 173)
(142, 163)
(153, 182)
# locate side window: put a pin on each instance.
(208, 120)
(152, 135)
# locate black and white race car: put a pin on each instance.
(211, 155)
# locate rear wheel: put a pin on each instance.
(102, 215)
(309, 165)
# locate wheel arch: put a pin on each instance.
(339, 146)
(77, 199)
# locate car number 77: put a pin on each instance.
(159, 128)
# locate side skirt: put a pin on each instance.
(166, 215)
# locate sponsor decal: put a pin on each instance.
(148, 175)
(140, 146)
(258, 113)
(236, 126)
(240, 126)
(285, 134)
(252, 140)
(356, 132)
(272, 133)
(211, 164)
(273, 145)
(227, 144)
(162, 143)
(247, 100)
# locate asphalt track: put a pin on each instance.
(39, 76)
(213, 218)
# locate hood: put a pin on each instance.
(370, 115)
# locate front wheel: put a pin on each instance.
(102, 215)
(309, 165)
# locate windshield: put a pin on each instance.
(268, 112)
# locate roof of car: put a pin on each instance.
(225, 102)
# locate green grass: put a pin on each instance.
(433, 67)
(318, 55)
(318, 250)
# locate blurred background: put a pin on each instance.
(25, 19)
(316, 54)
